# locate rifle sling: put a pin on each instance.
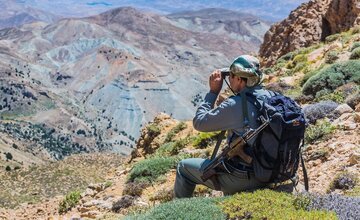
(306, 179)
(216, 149)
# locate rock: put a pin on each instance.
(97, 187)
(307, 25)
(90, 214)
(357, 108)
(354, 159)
(89, 192)
(347, 125)
(83, 209)
(342, 109)
(125, 202)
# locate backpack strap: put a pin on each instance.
(244, 105)
(306, 179)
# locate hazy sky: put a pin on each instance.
(268, 9)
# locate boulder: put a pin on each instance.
(309, 24)
(342, 109)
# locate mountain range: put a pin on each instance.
(89, 84)
(266, 9)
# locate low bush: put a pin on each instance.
(332, 77)
(320, 110)
(163, 195)
(179, 127)
(171, 148)
(345, 207)
(123, 203)
(153, 130)
(189, 209)
(336, 96)
(355, 30)
(70, 201)
(355, 54)
(321, 129)
(150, 169)
(135, 188)
(331, 57)
(268, 204)
(309, 74)
(332, 38)
(344, 181)
(355, 45)
(204, 139)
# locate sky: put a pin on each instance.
(272, 10)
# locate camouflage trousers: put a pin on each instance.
(188, 175)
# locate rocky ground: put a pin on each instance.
(99, 200)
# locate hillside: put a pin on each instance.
(144, 184)
(14, 14)
(240, 26)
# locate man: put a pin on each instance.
(236, 115)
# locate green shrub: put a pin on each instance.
(321, 129)
(179, 127)
(332, 38)
(355, 30)
(204, 139)
(331, 57)
(163, 195)
(287, 57)
(9, 156)
(189, 209)
(171, 148)
(355, 54)
(70, 201)
(268, 204)
(151, 169)
(8, 168)
(355, 45)
(324, 95)
(153, 130)
(332, 77)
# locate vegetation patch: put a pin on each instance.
(204, 139)
(190, 209)
(343, 181)
(153, 130)
(324, 95)
(332, 77)
(321, 129)
(70, 201)
(150, 169)
(355, 45)
(268, 204)
(332, 38)
(355, 54)
(171, 148)
(331, 57)
(179, 127)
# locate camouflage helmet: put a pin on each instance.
(248, 67)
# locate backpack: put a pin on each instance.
(277, 149)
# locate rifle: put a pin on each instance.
(236, 148)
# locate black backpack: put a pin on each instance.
(277, 149)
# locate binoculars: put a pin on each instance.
(225, 72)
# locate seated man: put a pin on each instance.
(231, 115)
